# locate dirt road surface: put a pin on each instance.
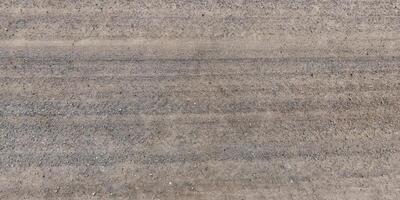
(202, 100)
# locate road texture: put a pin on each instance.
(202, 100)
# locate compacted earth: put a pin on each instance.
(202, 100)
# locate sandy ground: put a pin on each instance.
(207, 99)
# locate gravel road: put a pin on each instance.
(202, 100)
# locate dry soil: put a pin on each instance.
(200, 99)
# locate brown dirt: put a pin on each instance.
(236, 100)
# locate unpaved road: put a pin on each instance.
(235, 100)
